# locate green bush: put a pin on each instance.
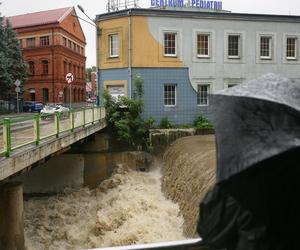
(202, 122)
(165, 123)
(124, 116)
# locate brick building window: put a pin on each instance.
(78, 72)
(70, 67)
(21, 43)
(170, 95)
(65, 41)
(82, 51)
(170, 44)
(45, 95)
(202, 95)
(45, 66)
(74, 70)
(44, 40)
(74, 46)
(30, 42)
(65, 67)
(31, 68)
(69, 44)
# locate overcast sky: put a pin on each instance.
(93, 7)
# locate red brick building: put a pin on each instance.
(53, 44)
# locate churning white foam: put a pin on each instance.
(128, 208)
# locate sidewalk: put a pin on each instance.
(2, 116)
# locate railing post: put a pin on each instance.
(7, 136)
(56, 117)
(37, 132)
(83, 112)
(93, 115)
(72, 120)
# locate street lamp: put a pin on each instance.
(97, 33)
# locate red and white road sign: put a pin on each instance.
(69, 78)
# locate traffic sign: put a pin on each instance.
(17, 83)
(69, 77)
(18, 89)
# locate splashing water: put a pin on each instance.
(128, 208)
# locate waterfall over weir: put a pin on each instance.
(130, 207)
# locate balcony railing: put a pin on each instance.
(18, 132)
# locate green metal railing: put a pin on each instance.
(18, 132)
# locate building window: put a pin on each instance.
(82, 52)
(65, 41)
(202, 95)
(45, 67)
(203, 45)
(45, 95)
(265, 47)
(113, 45)
(170, 95)
(78, 48)
(291, 48)
(74, 46)
(70, 67)
(70, 44)
(44, 40)
(31, 68)
(21, 43)
(30, 42)
(170, 44)
(65, 67)
(233, 46)
(231, 85)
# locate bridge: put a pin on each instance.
(31, 139)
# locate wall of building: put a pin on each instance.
(218, 70)
(186, 69)
(56, 53)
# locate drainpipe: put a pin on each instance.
(98, 34)
(129, 55)
(52, 50)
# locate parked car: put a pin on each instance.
(32, 106)
(49, 110)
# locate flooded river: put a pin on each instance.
(128, 208)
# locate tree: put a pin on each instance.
(125, 116)
(12, 66)
(88, 73)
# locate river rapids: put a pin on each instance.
(128, 208)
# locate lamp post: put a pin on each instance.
(97, 32)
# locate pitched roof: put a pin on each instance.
(40, 18)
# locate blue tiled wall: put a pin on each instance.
(154, 80)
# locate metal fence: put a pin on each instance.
(191, 244)
(17, 132)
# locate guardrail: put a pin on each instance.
(191, 244)
(18, 132)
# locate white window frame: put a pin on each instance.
(116, 44)
(270, 56)
(296, 48)
(170, 105)
(208, 45)
(239, 46)
(176, 43)
(198, 93)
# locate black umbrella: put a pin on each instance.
(255, 202)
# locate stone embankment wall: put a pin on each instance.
(161, 138)
(188, 171)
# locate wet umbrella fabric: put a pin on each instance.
(254, 204)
